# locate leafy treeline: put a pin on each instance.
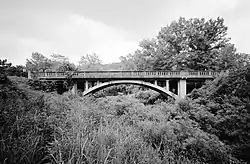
(60, 63)
(6, 69)
(191, 44)
(185, 44)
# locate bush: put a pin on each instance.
(221, 108)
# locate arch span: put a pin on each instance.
(135, 82)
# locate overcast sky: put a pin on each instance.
(110, 28)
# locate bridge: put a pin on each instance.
(168, 83)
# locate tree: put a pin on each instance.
(66, 66)
(3, 67)
(59, 58)
(90, 62)
(229, 59)
(222, 107)
(18, 70)
(195, 42)
(61, 63)
(184, 44)
(38, 62)
(127, 62)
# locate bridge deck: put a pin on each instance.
(127, 74)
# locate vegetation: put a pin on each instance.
(193, 44)
(222, 107)
(41, 127)
(130, 124)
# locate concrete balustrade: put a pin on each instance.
(129, 74)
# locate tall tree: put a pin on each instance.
(228, 58)
(66, 66)
(127, 62)
(184, 44)
(59, 58)
(195, 42)
(38, 62)
(90, 62)
(61, 63)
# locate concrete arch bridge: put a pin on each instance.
(168, 83)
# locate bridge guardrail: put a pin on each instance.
(129, 74)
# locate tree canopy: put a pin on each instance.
(195, 44)
(90, 62)
(38, 62)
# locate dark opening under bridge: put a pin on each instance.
(168, 83)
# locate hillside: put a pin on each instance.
(47, 127)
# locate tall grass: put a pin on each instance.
(121, 129)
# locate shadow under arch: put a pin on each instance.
(135, 82)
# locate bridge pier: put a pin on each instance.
(86, 85)
(182, 88)
(167, 85)
(98, 82)
(74, 89)
(156, 82)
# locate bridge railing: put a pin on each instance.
(203, 73)
(127, 74)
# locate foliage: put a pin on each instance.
(38, 62)
(59, 58)
(90, 62)
(120, 129)
(61, 63)
(25, 132)
(151, 97)
(128, 62)
(190, 44)
(3, 67)
(221, 107)
(229, 59)
(122, 89)
(17, 70)
(41, 127)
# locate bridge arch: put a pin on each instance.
(135, 82)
